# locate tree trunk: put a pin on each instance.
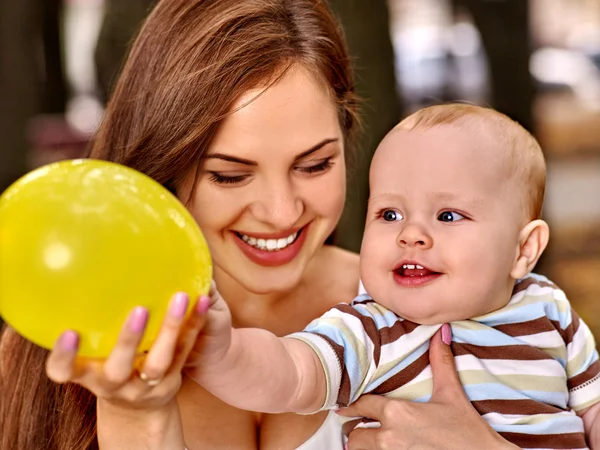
(366, 25)
(504, 28)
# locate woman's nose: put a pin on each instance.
(280, 206)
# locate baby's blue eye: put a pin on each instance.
(450, 216)
(389, 215)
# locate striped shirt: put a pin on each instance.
(526, 368)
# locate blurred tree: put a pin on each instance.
(121, 22)
(504, 29)
(29, 84)
(366, 25)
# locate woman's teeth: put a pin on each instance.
(269, 244)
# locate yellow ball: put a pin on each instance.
(83, 242)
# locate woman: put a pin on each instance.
(245, 110)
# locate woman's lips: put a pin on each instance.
(270, 257)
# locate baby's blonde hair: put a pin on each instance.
(524, 161)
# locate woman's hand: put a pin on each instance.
(136, 395)
(447, 421)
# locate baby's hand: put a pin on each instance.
(214, 341)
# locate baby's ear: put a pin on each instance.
(533, 240)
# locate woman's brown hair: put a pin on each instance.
(190, 62)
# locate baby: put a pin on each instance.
(452, 233)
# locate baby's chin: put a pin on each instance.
(426, 313)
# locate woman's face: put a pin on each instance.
(273, 185)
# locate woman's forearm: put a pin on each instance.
(131, 429)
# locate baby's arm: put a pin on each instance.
(264, 373)
(253, 369)
(591, 422)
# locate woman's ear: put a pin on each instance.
(533, 240)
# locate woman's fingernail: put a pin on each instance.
(179, 305)
(138, 319)
(69, 341)
(203, 304)
(446, 334)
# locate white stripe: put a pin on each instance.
(546, 367)
(405, 345)
(585, 393)
(579, 342)
(520, 419)
(548, 339)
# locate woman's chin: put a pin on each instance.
(271, 284)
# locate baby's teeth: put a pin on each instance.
(410, 266)
(419, 267)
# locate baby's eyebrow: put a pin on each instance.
(450, 196)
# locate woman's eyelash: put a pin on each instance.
(219, 178)
(216, 177)
(320, 167)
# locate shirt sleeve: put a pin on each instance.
(583, 367)
(345, 340)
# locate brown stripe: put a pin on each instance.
(566, 440)
(368, 325)
(363, 302)
(525, 407)
(404, 376)
(396, 331)
(584, 377)
(516, 352)
(530, 281)
(539, 325)
(568, 333)
(344, 393)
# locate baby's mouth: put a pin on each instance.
(413, 270)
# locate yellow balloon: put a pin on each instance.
(83, 242)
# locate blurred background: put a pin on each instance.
(537, 61)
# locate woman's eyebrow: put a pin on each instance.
(316, 147)
(248, 162)
(233, 159)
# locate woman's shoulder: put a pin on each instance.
(337, 271)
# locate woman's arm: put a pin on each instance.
(447, 421)
(136, 407)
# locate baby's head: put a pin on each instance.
(454, 213)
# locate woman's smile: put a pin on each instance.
(272, 249)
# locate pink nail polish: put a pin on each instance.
(446, 334)
(138, 319)
(69, 341)
(179, 305)
(203, 304)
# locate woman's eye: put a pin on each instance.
(219, 178)
(319, 167)
(450, 216)
(389, 215)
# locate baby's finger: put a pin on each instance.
(119, 365)
(190, 332)
(161, 354)
(60, 365)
